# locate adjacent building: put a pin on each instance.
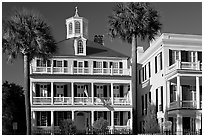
(170, 77)
(84, 81)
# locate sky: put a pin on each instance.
(176, 17)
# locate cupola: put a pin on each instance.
(77, 26)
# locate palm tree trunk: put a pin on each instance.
(134, 84)
(27, 93)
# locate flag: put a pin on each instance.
(85, 91)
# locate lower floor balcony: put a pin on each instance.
(183, 104)
(48, 122)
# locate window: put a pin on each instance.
(161, 106)
(77, 27)
(57, 63)
(65, 63)
(120, 65)
(40, 63)
(145, 72)
(185, 56)
(172, 93)
(61, 115)
(156, 100)
(97, 64)
(75, 63)
(115, 64)
(156, 64)
(140, 81)
(70, 28)
(142, 105)
(149, 70)
(105, 64)
(43, 118)
(149, 97)
(146, 104)
(80, 47)
(161, 61)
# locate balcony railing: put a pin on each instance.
(102, 101)
(62, 100)
(42, 100)
(121, 101)
(185, 66)
(80, 70)
(183, 104)
(80, 101)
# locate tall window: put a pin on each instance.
(77, 27)
(142, 104)
(156, 64)
(80, 47)
(43, 118)
(149, 70)
(70, 28)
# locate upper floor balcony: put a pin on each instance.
(74, 67)
(80, 94)
(178, 65)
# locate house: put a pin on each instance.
(170, 77)
(83, 81)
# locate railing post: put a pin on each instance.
(52, 93)
(112, 99)
(72, 92)
(178, 64)
(198, 65)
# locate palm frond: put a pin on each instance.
(27, 32)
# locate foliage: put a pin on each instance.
(26, 32)
(137, 18)
(67, 127)
(13, 109)
(130, 21)
(151, 124)
(100, 126)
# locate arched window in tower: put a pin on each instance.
(77, 27)
(80, 47)
(70, 28)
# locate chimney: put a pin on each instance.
(99, 39)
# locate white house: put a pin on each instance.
(170, 76)
(83, 81)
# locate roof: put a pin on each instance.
(93, 49)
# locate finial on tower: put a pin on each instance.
(76, 12)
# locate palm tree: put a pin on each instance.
(26, 33)
(130, 21)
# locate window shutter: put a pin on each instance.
(120, 64)
(94, 64)
(156, 101)
(200, 56)
(170, 58)
(121, 90)
(65, 91)
(121, 118)
(161, 67)
(75, 90)
(54, 88)
(54, 63)
(95, 92)
(37, 87)
(75, 63)
(49, 90)
(105, 90)
(156, 64)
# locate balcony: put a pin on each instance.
(183, 104)
(80, 101)
(80, 70)
(184, 66)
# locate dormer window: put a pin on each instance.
(80, 47)
(77, 27)
(70, 28)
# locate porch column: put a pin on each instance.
(112, 121)
(131, 117)
(33, 122)
(52, 93)
(92, 92)
(52, 123)
(92, 117)
(179, 92)
(130, 93)
(198, 122)
(32, 89)
(197, 92)
(72, 115)
(167, 94)
(72, 92)
(112, 102)
(179, 124)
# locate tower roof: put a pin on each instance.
(76, 12)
